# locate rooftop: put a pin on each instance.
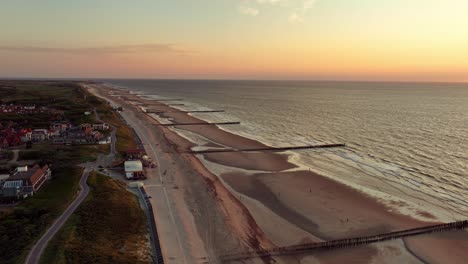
(25, 175)
(133, 165)
(13, 184)
(130, 151)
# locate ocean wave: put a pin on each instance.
(407, 150)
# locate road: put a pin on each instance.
(36, 251)
(166, 184)
(15, 155)
(167, 224)
(102, 160)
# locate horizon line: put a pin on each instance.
(221, 79)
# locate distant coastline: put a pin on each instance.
(284, 193)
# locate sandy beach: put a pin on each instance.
(257, 201)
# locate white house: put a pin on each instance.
(133, 169)
(29, 107)
(40, 135)
(26, 181)
(21, 169)
(101, 126)
(53, 133)
(26, 136)
(104, 141)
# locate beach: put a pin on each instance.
(259, 200)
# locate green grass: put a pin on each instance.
(29, 155)
(22, 226)
(110, 219)
(125, 136)
(30, 219)
(40, 120)
(27, 221)
(125, 139)
(62, 187)
(6, 154)
(67, 97)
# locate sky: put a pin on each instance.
(398, 40)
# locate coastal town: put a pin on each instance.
(54, 136)
(234, 132)
(79, 161)
(24, 181)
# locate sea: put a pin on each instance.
(406, 143)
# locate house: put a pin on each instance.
(76, 132)
(132, 154)
(4, 177)
(39, 135)
(29, 107)
(106, 140)
(21, 109)
(21, 169)
(25, 135)
(52, 133)
(82, 134)
(88, 130)
(134, 170)
(12, 188)
(85, 126)
(95, 136)
(26, 181)
(101, 126)
(60, 126)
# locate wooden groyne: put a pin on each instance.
(130, 99)
(268, 149)
(174, 104)
(169, 100)
(344, 243)
(187, 112)
(201, 123)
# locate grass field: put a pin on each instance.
(125, 136)
(6, 155)
(109, 227)
(30, 218)
(23, 225)
(65, 97)
(20, 227)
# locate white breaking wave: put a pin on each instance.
(405, 141)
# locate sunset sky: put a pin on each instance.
(236, 39)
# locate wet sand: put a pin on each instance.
(319, 205)
(311, 206)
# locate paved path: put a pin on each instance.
(15, 155)
(36, 252)
(103, 160)
(170, 228)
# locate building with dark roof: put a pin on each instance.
(26, 182)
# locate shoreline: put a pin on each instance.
(406, 204)
(321, 211)
(399, 194)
